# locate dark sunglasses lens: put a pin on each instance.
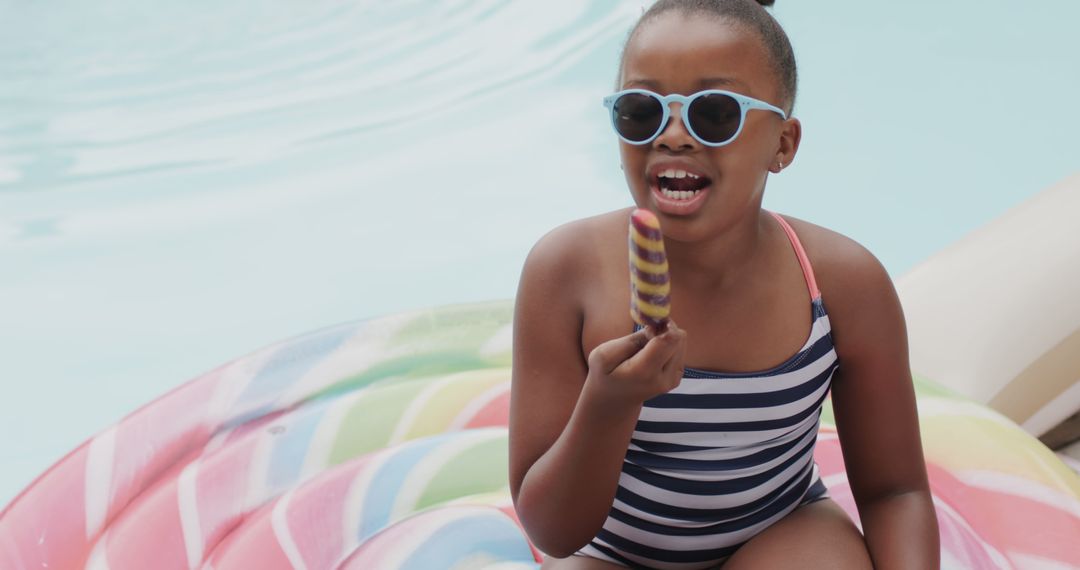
(637, 116)
(715, 117)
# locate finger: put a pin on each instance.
(669, 351)
(658, 351)
(608, 355)
(679, 337)
(675, 364)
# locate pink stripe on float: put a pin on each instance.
(388, 547)
(45, 526)
(828, 456)
(490, 408)
(804, 261)
(100, 458)
(149, 531)
(495, 414)
(961, 541)
(279, 522)
(1010, 522)
(957, 537)
(250, 545)
(309, 524)
(48, 521)
(316, 514)
(221, 490)
(145, 445)
(149, 534)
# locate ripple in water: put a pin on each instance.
(94, 92)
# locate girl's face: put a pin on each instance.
(674, 53)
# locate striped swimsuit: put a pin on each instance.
(720, 458)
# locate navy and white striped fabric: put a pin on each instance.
(718, 459)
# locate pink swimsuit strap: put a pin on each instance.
(804, 261)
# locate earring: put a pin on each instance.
(779, 166)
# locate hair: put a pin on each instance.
(747, 13)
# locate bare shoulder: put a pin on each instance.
(846, 271)
(866, 318)
(562, 272)
(573, 247)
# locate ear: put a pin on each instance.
(790, 136)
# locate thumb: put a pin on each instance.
(608, 355)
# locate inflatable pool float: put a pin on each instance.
(383, 444)
(1008, 290)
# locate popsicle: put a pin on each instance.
(650, 284)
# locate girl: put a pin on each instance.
(693, 447)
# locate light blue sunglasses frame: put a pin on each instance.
(745, 104)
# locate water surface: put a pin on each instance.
(181, 183)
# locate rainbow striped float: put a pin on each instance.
(383, 444)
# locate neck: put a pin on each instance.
(718, 263)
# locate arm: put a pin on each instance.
(876, 417)
(571, 419)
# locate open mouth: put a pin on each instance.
(677, 184)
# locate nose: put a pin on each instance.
(675, 137)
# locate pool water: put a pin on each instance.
(181, 183)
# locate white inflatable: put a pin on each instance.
(996, 316)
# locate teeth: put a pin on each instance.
(678, 194)
(673, 173)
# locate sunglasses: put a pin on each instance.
(713, 117)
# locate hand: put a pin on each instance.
(640, 366)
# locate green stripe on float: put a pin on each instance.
(439, 341)
(926, 387)
(407, 367)
(368, 425)
(827, 413)
(451, 396)
(480, 469)
(462, 328)
(964, 442)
